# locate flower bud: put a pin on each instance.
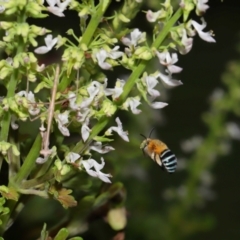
(6, 25)
(143, 53)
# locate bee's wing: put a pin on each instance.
(169, 161)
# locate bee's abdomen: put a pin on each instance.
(169, 160)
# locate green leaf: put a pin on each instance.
(62, 234)
(123, 18)
(40, 86)
(102, 139)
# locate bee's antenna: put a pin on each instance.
(142, 135)
(151, 132)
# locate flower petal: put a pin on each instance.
(14, 125)
(56, 11)
(119, 130)
(41, 160)
(50, 41)
(206, 36)
(85, 131)
(158, 105)
(41, 50)
(72, 157)
(91, 163)
(167, 79)
(51, 2)
(201, 7)
(174, 69)
(97, 146)
(153, 16)
(104, 177)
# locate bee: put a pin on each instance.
(159, 153)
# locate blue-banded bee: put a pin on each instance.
(159, 153)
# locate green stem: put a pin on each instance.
(30, 160)
(79, 148)
(140, 68)
(10, 94)
(34, 192)
(95, 20)
(36, 182)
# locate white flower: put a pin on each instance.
(91, 164)
(2, 7)
(33, 108)
(50, 42)
(93, 89)
(9, 60)
(201, 7)
(217, 94)
(153, 16)
(119, 130)
(182, 4)
(14, 125)
(114, 54)
(133, 103)
(72, 157)
(82, 106)
(102, 55)
(158, 105)
(206, 36)
(191, 144)
(42, 128)
(117, 90)
(97, 146)
(206, 193)
(41, 160)
(62, 120)
(186, 43)
(82, 115)
(167, 60)
(233, 130)
(167, 79)
(136, 37)
(150, 82)
(206, 178)
(57, 10)
(72, 101)
(46, 152)
(85, 130)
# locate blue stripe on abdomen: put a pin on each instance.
(169, 160)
